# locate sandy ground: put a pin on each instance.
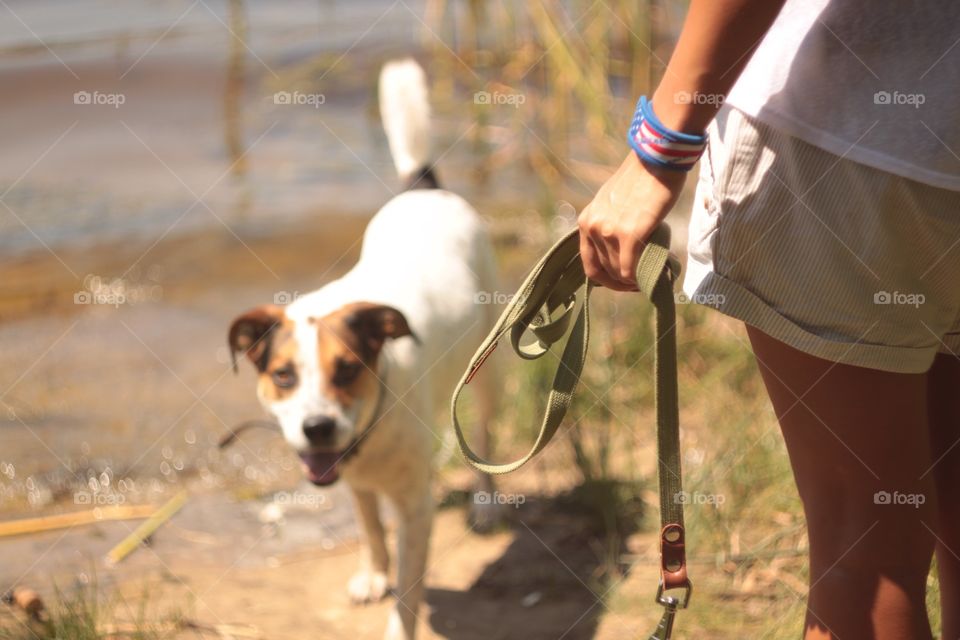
(545, 574)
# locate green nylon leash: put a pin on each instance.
(546, 305)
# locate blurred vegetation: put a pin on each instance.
(577, 66)
(85, 613)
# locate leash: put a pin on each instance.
(546, 305)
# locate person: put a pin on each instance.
(827, 219)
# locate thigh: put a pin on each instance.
(859, 446)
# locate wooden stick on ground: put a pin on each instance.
(66, 520)
(145, 530)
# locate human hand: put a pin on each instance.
(619, 219)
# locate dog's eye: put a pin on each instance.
(284, 378)
(346, 372)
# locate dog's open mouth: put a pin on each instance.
(320, 467)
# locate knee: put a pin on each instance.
(884, 531)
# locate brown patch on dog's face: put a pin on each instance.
(280, 377)
(266, 336)
(349, 342)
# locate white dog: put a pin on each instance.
(357, 372)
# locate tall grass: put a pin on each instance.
(578, 66)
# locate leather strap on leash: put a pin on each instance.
(546, 305)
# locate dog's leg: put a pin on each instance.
(370, 583)
(413, 541)
(484, 513)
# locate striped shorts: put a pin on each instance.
(837, 259)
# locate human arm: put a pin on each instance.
(715, 44)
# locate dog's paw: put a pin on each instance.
(367, 586)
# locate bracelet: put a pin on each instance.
(661, 146)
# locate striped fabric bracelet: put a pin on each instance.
(661, 146)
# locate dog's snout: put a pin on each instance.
(319, 430)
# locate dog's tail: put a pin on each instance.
(405, 110)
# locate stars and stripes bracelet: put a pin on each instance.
(661, 146)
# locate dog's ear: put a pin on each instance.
(374, 323)
(250, 334)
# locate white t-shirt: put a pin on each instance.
(876, 81)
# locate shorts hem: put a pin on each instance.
(732, 299)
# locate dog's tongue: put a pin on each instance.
(321, 468)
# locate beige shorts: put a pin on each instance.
(837, 259)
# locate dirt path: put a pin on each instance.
(541, 578)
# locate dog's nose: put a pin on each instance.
(319, 430)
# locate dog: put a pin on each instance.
(357, 372)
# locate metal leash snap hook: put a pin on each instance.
(670, 606)
(665, 628)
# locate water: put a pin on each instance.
(133, 230)
(197, 117)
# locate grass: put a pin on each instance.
(84, 613)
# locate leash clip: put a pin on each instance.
(665, 629)
(670, 605)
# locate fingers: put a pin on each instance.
(616, 223)
(593, 264)
(629, 257)
(602, 254)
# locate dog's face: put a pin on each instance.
(318, 377)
